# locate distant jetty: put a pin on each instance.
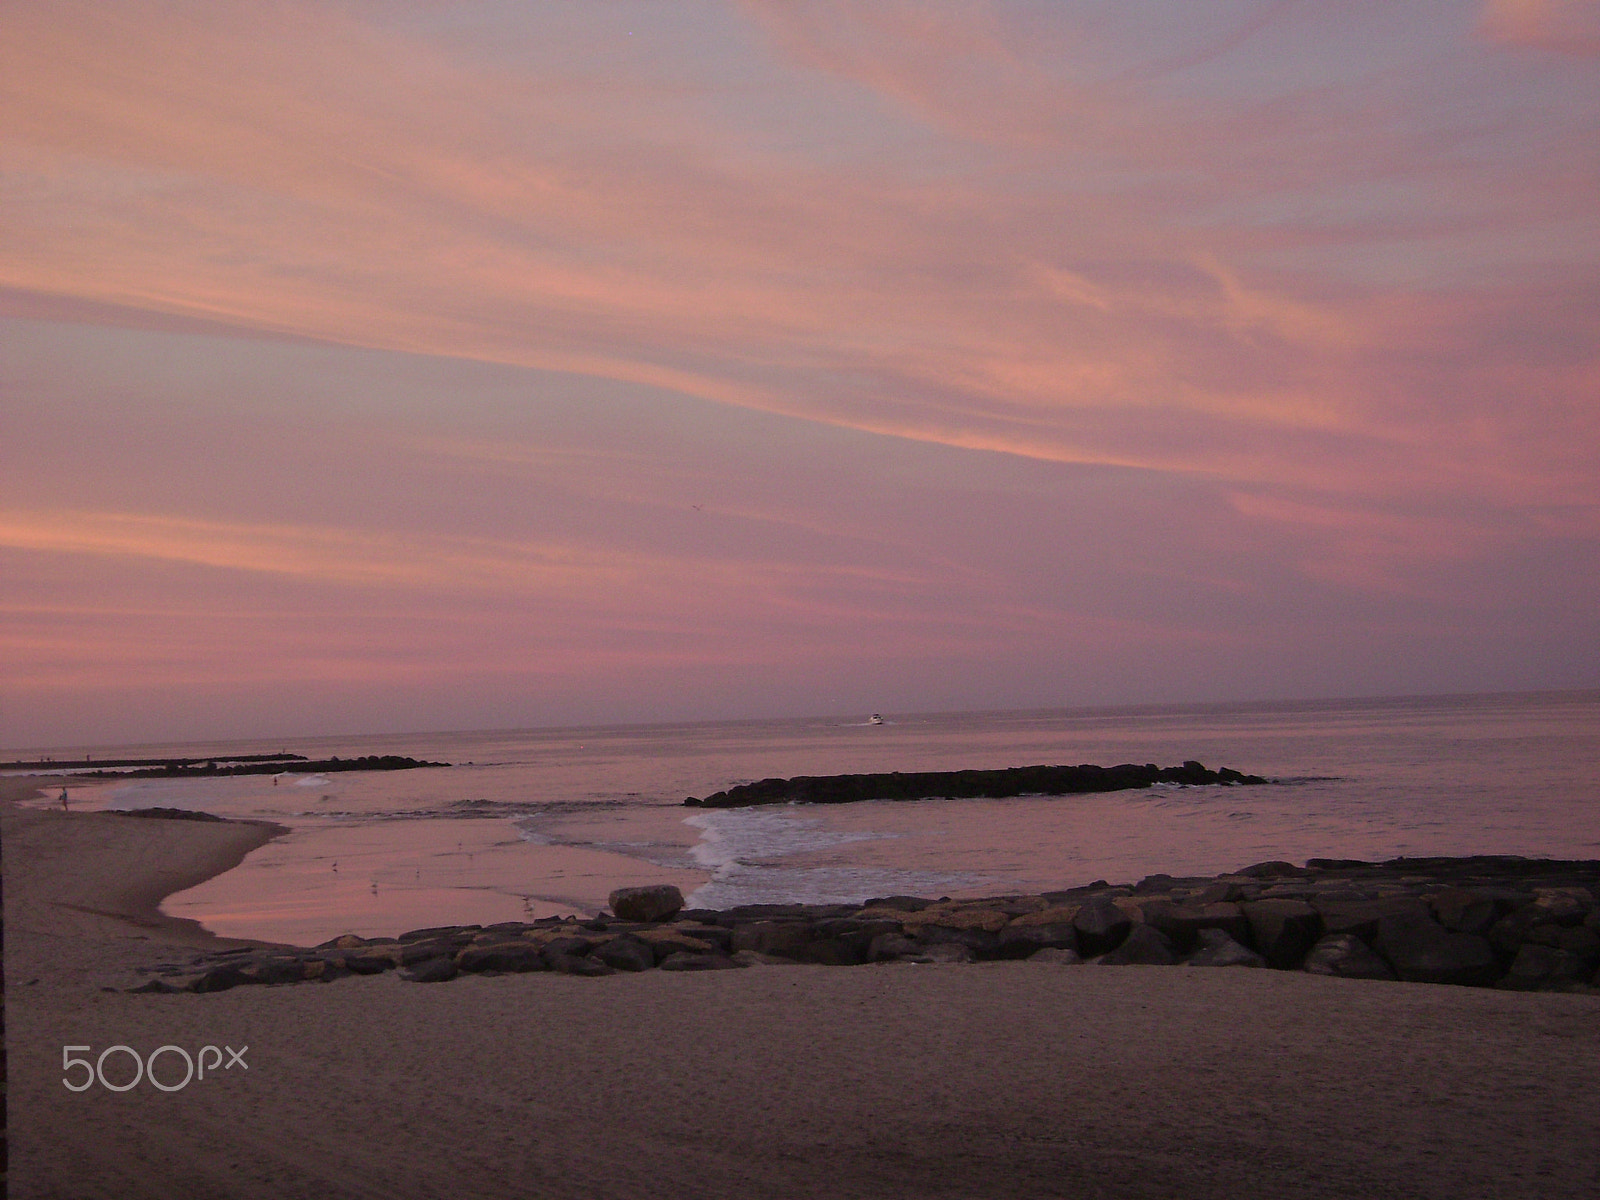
(926, 785)
(204, 768)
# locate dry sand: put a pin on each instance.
(1000, 1080)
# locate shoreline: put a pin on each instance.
(176, 856)
(1011, 1080)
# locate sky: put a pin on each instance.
(435, 365)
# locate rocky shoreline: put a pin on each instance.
(1488, 921)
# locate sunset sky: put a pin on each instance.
(446, 365)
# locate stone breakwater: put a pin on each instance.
(1513, 923)
(967, 785)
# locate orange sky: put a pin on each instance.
(418, 366)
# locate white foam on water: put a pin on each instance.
(745, 850)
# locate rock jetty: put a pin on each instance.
(924, 785)
(195, 768)
(1490, 921)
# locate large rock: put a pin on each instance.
(272, 969)
(412, 953)
(1361, 917)
(1024, 941)
(1545, 968)
(373, 960)
(655, 903)
(1508, 934)
(1283, 930)
(1423, 951)
(1145, 945)
(890, 947)
(786, 938)
(667, 942)
(433, 970)
(716, 935)
(1183, 923)
(981, 942)
(1217, 949)
(1564, 906)
(853, 936)
(626, 954)
(988, 920)
(1276, 869)
(1462, 910)
(1100, 926)
(503, 956)
(446, 932)
(1348, 957)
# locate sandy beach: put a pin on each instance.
(991, 1080)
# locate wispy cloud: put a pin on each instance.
(1302, 299)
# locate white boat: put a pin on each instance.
(874, 719)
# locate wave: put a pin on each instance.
(745, 848)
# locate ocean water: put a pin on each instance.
(539, 821)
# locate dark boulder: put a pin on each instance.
(415, 952)
(502, 956)
(440, 931)
(854, 936)
(887, 947)
(1184, 922)
(787, 939)
(433, 970)
(1100, 927)
(1155, 885)
(1462, 910)
(219, 979)
(1423, 951)
(900, 903)
(1273, 870)
(1361, 917)
(626, 954)
(274, 969)
(1283, 930)
(1510, 932)
(1566, 906)
(656, 903)
(665, 943)
(1545, 968)
(374, 960)
(1348, 957)
(1217, 949)
(560, 948)
(1024, 941)
(712, 934)
(1145, 945)
(1580, 940)
(981, 942)
(345, 941)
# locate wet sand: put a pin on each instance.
(997, 1080)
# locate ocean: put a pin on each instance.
(534, 822)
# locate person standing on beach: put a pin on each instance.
(64, 807)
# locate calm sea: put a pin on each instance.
(532, 822)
